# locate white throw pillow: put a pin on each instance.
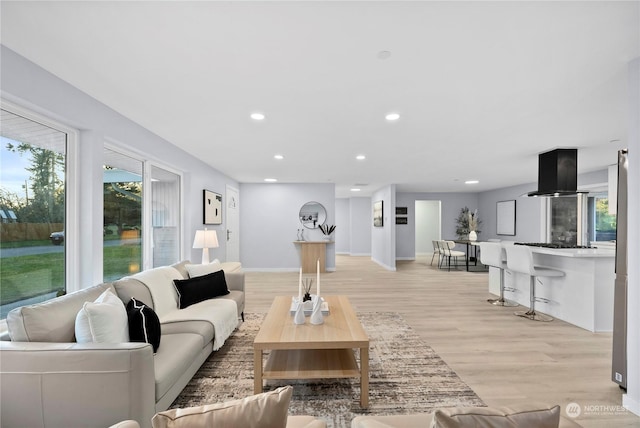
(265, 410)
(199, 270)
(103, 320)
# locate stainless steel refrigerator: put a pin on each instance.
(619, 358)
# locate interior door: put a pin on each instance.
(233, 224)
(428, 225)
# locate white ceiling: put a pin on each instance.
(482, 87)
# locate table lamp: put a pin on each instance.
(205, 239)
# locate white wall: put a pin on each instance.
(360, 220)
(342, 234)
(530, 212)
(405, 233)
(32, 87)
(269, 222)
(632, 399)
(451, 204)
(383, 239)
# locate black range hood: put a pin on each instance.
(557, 173)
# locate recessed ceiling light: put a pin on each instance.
(471, 182)
(257, 116)
(355, 189)
(270, 180)
(361, 157)
(279, 157)
(392, 116)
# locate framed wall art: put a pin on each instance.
(506, 218)
(377, 214)
(212, 204)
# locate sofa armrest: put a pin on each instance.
(76, 385)
(235, 281)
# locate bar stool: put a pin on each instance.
(493, 254)
(520, 259)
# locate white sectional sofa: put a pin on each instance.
(47, 379)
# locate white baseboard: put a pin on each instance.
(360, 254)
(406, 258)
(270, 269)
(631, 405)
(387, 267)
(328, 269)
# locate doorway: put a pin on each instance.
(233, 224)
(428, 226)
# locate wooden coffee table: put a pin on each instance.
(308, 351)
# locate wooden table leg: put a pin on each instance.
(364, 377)
(257, 371)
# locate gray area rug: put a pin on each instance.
(406, 376)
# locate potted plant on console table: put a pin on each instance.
(327, 230)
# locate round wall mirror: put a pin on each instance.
(312, 215)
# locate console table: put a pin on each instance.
(310, 253)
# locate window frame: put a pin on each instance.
(146, 223)
(72, 187)
(147, 209)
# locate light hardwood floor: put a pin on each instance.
(503, 358)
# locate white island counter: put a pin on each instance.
(583, 297)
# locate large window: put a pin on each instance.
(33, 196)
(122, 188)
(602, 225)
(133, 240)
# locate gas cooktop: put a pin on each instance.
(551, 245)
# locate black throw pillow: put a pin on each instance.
(144, 324)
(200, 288)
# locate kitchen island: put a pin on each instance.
(583, 297)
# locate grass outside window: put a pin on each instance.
(33, 275)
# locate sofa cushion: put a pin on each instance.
(302, 421)
(531, 415)
(127, 287)
(174, 357)
(199, 270)
(266, 410)
(180, 267)
(144, 324)
(203, 328)
(103, 320)
(201, 288)
(159, 282)
(229, 267)
(238, 297)
(220, 313)
(53, 320)
(417, 420)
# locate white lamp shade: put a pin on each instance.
(205, 239)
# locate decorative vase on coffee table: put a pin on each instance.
(298, 318)
(473, 236)
(316, 315)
